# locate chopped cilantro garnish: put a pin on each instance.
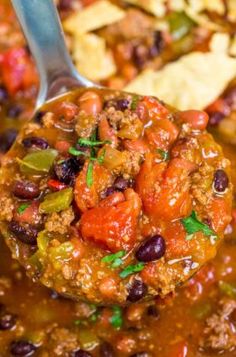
(114, 259)
(111, 257)
(75, 152)
(22, 208)
(89, 142)
(89, 174)
(193, 225)
(131, 269)
(94, 316)
(164, 154)
(134, 103)
(116, 319)
(101, 158)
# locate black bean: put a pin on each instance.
(153, 311)
(141, 354)
(81, 353)
(26, 234)
(26, 189)
(108, 191)
(22, 348)
(137, 291)
(140, 55)
(106, 350)
(158, 44)
(221, 181)
(7, 138)
(38, 117)
(121, 183)
(215, 118)
(7, 321)
(35, 142)
(14, 111)
(66, 170)
(3, 94)
(122, 104)
(152, 249)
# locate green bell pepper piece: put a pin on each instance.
(56, 201)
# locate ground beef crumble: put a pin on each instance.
(59, 222)
(220, 331)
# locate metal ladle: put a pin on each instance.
(42, 27)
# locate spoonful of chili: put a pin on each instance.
(108, 196)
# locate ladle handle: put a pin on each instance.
(41, 25)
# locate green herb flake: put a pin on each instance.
(75, 152)
(21, 209)
(134, 103)
(193, 225)
(101, 158)
(112, 257)
(116, 319)
(94, 317)
(89, 142)
(228, 289)
(89, 174)
(131, 269)
(164, 154)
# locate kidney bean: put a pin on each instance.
(35, 142)
(137, 291)
(66, 170)
(7, 138)
(26, 234)
(122, 104)
(14, 111)
(140, 55)
(152, 249)
(221, 181)
(26, 189)
(230, 96)
(121, 183)
(153, 311)
(3, 94)
(7, 321)
(106, 350)
(81, 353)
(91, 103)
(141, 354)
(197, 119)
(65, 4)
(22, 348)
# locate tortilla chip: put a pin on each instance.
(232, 48)
(91, 57)
(209, 5)
(192, 82)
(93, 17)
(177, 5)
(203, 20)
(220, 42)
(155, 7)
(232, 10)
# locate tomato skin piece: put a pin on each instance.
(88, 197)
(114, 227)
(164, 190)
(17, 70)
(56, 185)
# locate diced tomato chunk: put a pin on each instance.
(88, 197)
(220, 213)
(29, 215)
(162, 134)
(114, 227)
(138, 145)
(17, 69)
(179, 349)
(164, 189)
(156, 109)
